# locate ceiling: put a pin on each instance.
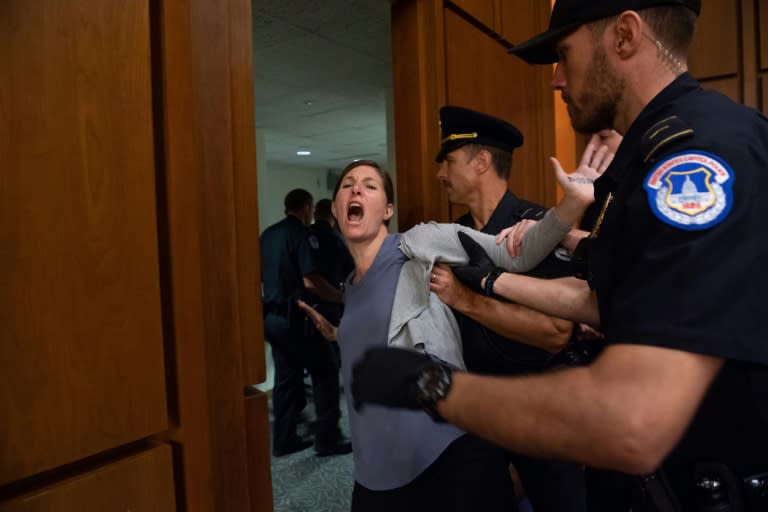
(322, 73)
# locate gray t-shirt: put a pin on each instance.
(391, 446)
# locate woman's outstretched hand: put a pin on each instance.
(578, 186)
(326, 328)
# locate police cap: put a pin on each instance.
(460, 126)
(568, 15)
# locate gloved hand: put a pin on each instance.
(480, 264)
(387, 376)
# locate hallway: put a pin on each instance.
(303, 482)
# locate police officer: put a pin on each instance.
(675, 279)
(334, 264)
(502, 338)
(289, 271)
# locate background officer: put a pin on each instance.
(288, 271)
(675, 279)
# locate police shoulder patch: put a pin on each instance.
(690, 190)
(314, 242)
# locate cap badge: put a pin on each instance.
(457, 136)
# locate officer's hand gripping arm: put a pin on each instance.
(479, 266)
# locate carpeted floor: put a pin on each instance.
(304, 482)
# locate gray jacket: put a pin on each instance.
(420, 321)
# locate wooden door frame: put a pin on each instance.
(209, 221)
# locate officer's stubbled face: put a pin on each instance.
(457, 175)
(361, 205)
(590, 87)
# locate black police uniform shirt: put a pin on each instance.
(484, 350)
(679, 261)
(286, 258)
(334, 263)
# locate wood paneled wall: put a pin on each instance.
(762, 32)
(442, 55)
(418, 73)
(506, 21)
(130, 317)
(716, 57)
(728, 49)
(762, 38)
(480, 74)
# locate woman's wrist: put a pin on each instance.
(569, 211)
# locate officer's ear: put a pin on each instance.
(627, 34)
(482, 161)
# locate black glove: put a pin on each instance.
(388, 376)
(480, 264)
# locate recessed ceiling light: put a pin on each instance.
(303, 153)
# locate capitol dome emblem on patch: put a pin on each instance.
(690, 190)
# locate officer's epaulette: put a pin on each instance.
(534, 212)
(662, 133)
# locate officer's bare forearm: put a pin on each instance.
(523, 414)
(566, 297)
(613, 414)
(518, 322)
(572, 239)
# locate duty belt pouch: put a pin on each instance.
(716, 488)
(755, 495)
(658, 494)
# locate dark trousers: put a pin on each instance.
(550, 485)
(470, 475)
(292, 352)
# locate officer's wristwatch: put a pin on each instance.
(432, 385)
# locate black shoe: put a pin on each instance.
(293, 446)
(339, 447)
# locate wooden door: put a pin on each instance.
(129, 313)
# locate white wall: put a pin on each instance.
(390, 166)
(275, 181)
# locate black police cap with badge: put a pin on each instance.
(569, 15)
(460, 126)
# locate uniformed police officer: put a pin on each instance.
(334, 264)
(289, 271)
(502, 338)
(675, 279)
